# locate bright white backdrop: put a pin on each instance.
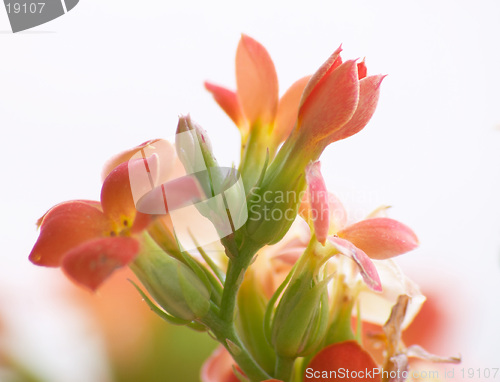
(111, 74)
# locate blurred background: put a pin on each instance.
(111, 74)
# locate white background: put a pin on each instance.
(111, 74)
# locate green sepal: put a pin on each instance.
(198, 304)
(159, 312)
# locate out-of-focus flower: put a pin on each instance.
(397, 354)
(340, 361)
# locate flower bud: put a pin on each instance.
(172, 284)
(301, 317)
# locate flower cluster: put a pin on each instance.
(279, 294)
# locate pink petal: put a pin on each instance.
(219, 367)
(94, 261)
(369, 90)
(229, 102)
(381, 238)
(170, 196)
(124, 156)
(66, 226)
(330, 105)
(161, 147)
(338, 213)
(318, 199)
(366, 266)
(288, 109)
(257, 82)
(328, 66)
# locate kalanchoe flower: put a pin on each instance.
(88, 239)
(255, 102)
(263, 120)
(337, 102)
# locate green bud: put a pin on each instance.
(225, 200)
(273, 204)
(172, 284)
(301, 317)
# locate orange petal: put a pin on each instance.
(257, 82)
(366, 267)
(66, 226)
(318, 200)
(381, 238)
(331, 104)
(343, 357)
(229, 102)
(288, 109)
(124, 156)
(328, 66)
(92, 262)
(116, 195)
(369, 90)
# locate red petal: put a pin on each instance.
(94, 261)
(66, 226)
(362, 70)
(318, 199)
(229, 102)
(369, 90)
(364, 263)
(256, 81)
(381, 238)
(331, 104)
(288, 110)
(343, 357)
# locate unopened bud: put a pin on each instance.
(172, 284)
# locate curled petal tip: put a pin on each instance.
(366, 267)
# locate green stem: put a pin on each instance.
(234, 277)
(284, 368)
(227, 336)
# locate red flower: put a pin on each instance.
(333, 362)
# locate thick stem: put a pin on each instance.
(234, 277)
(284, 368)
(227, 336)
